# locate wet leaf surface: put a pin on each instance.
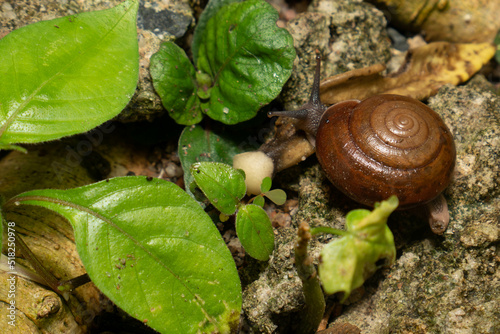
(67, 75)
(223, 185)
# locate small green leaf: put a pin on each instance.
(255, 231)
(266, 185)
(223, 185)
(248, 58)
(259, 200)
(278, 196)
(205, 83)
(153, 251)
(197, 144)
(371, 225)
(67, 75)
(174, 79)
(347, 262)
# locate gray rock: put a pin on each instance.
(439, 284)
(351, 34)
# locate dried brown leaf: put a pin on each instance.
(425, 70)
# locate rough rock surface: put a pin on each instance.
(348, 34)
(439, 284)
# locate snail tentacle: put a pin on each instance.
(310, 113)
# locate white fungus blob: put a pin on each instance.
(256, 165)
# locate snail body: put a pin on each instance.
(382, 146)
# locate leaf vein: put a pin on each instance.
(28, 100)
(130, 237)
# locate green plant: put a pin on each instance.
(242, 60)
(205, 158)
(225, 187)
(366, 245)
(197, 144)
(144, 242)
(67, 75)
(152, 250)
(277, 196)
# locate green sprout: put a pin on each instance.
(224, 186)
(345, 263)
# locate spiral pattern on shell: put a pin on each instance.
(385, 145)
(395, 132)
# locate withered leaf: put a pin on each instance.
(459, 21)
(425, 70)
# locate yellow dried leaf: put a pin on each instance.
(458, 21)
(425, 70)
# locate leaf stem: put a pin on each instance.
(315, 301)
(21, 271)
(44, 276)
(74, 283)
(330, 230)
(50, 279)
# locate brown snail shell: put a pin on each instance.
(386, 145)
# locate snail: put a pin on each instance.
(382, 146)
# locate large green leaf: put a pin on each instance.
(67, 75)
(153, 251)
(248, 57)
(210, 10)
